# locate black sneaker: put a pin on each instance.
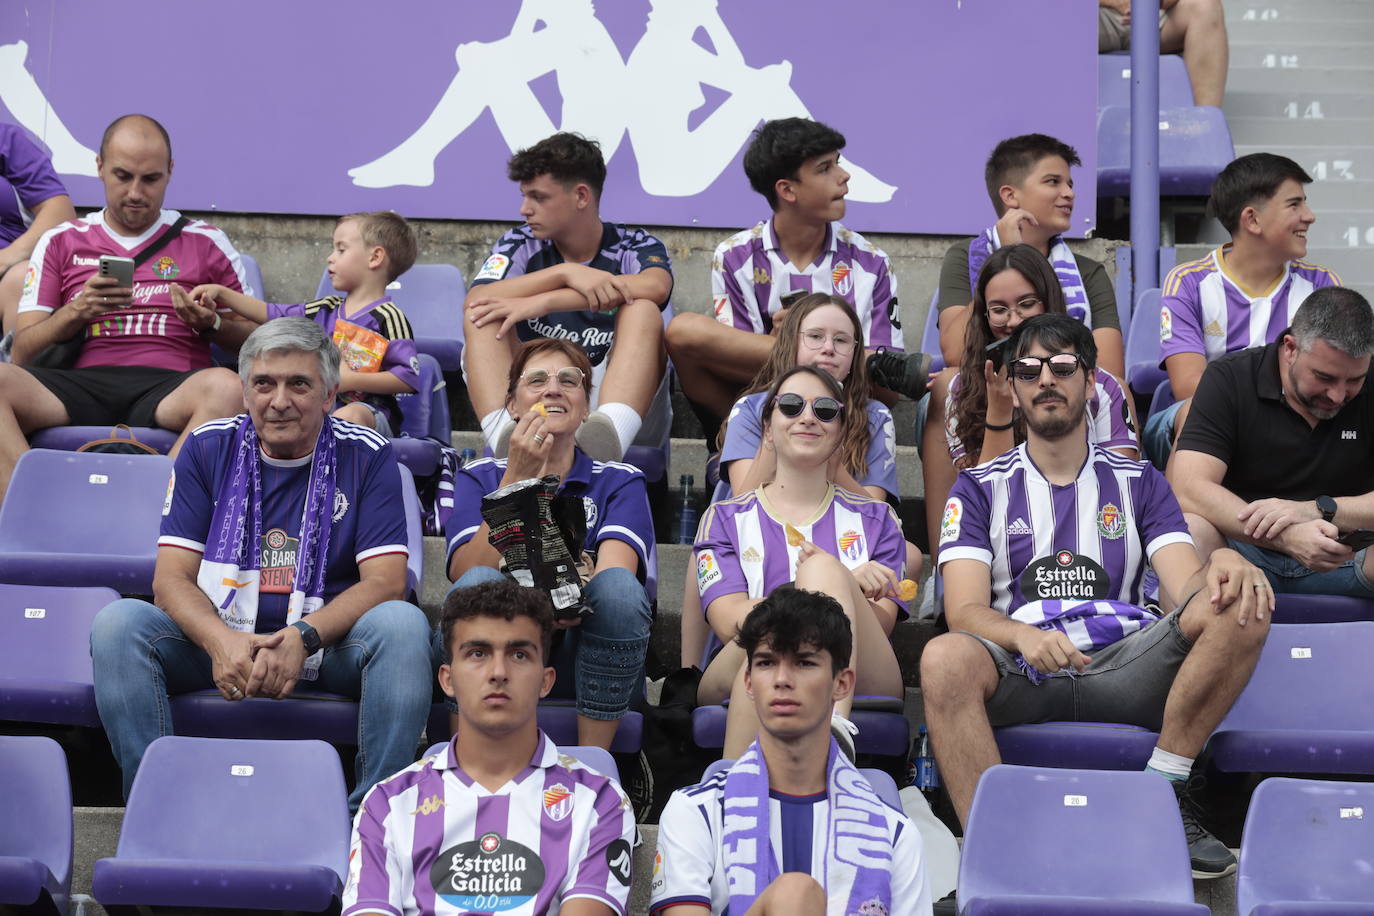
(1210, 857)
(904, 373)
(946, 906)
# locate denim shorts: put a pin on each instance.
(1158, 436)
(1128, 682)
(1289, 577)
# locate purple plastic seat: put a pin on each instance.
(1044, 841)
(424, 416)
(883, 728)
(1306, 848)
(558, 720)
(71, 438)
(1309, 706)
(307, 713)
(230, 824)
(82, 518)
(431, 295)
(45, 654)
(1142, 345)
(1322, 609)
(254, 272)
(1194, 145)
(1114, 81)
(415, 533)
(930, 335)
(35, 826)
(1078, 745)
(884, 786)
(598, 758)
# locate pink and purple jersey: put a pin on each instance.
(148, 332)
(742, 545)
(1203, 310)
(750, 275)
(1109, 417)
(431, 840)
(1051, 548)
(27, 178)
(744, 431)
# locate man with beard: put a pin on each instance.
(1277, 457)
(1043, 552)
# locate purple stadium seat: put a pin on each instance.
(930, 336)
(598, 758)
(82, 518)
(883, 729)
(308, 713)
(35, 826)
(1309, 706)
(1194, 145)
(254, 272)
(415, 533)
(232, 825)
(1142, 345)
(1114, 81)
(1074, 841)
(1077, 745)
(71, 438)
(1322, 609)
(431, 295)
(558, 719)
(45, 655)
(1306, 849)
(884, 786)
(424, 416)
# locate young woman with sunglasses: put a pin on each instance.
(971, 418)
(801, 527)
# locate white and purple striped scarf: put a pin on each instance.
(858, 843)
(1061, 259)
(1090, 625)
(232, 563)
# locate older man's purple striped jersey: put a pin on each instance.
(1204, 310)
(430, 840)
(742, 545)
(1052, 548)
(750, 275)
(1109, 417)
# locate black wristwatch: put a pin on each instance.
(1327, 506)
(309, 636)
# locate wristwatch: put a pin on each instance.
(309, 636)
(1327, 506)
(213, 329)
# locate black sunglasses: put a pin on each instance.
(1062, 365)
(823, 409)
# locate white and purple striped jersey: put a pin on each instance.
(431, 840)
(1089, 540)
(742, 544)
(689, 866)
(1109, 417)
(750, 275)
(1204, 310)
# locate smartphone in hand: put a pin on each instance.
(122, 269)
(1358, 539)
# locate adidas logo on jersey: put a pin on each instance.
(1213, 329)
(1019, 527)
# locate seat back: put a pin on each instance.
(415, 531)
(36, 805)
(425, 413)
(1080, 833)
(431, 295)
(1306, 840)
(254, 273)
(884, 786)
(930, 334)
(1114, 81)
(1310, 676)
(245, 800)
(598, 758)
(1142, 344)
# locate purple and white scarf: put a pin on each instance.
(1061, 259)
(858, 840)
(232, 563)
(1090, 625)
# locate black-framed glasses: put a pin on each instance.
(815, 339)
(568, 377)
(1062, 365)
(823, 409)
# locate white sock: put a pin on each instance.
(1171, 766)
(493, 423)
(626, 423)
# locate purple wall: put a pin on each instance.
(269, 108)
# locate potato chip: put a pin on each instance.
(794, 537)
(906, 589)
(540, 409)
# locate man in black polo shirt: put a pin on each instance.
(1277, 456)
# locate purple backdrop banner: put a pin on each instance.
(317, 106)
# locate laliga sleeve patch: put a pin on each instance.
(708, 571)
(660, 880)
(493, 268)
(171, 485)
(949, 522)
(1166, 324)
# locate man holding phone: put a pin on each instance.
(1277, 456)
(102, 343)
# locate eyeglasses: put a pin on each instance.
(823, 409)
(568, 377)
(1026, 306)
(1062, 365)
(814, 340)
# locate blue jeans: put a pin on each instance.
(605, 651)
(1157, 439)
(1289, 577)
(140, 656)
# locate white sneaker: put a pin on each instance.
(500, 446)
(598, 438)
(844, 732)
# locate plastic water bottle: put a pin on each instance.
(687, 512)
(465, 456)
(927, 777)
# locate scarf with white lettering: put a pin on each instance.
(1061, 259)
(858, 842)
(232, 564)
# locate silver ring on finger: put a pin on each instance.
(1261, 586)
(538, 440)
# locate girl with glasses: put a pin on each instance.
(801, 527)
(971, 418)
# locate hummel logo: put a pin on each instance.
(1349, 434)
(79, 261)
(1019, 527)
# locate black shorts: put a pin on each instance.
(106, 395)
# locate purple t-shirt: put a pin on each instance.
(742, 545)
(369, 520)
(744, 432)
(613, 496)
(27, 179)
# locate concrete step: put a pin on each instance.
(1284, 51)
(1299, 106)
(1328, 196)
(1295, 12)
(1284, 32)
(1336, 228)
(1341, 162)
(1275, 131)
(1313, 78)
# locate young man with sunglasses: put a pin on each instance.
(1043, 551)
